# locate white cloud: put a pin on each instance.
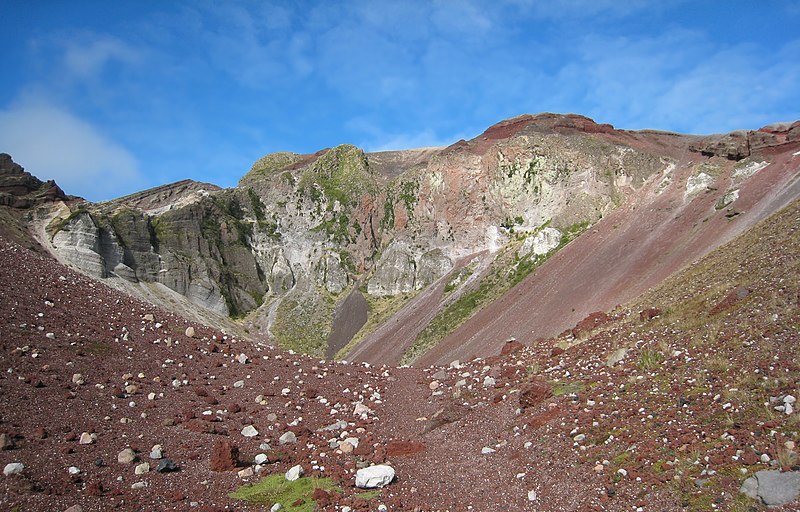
(87, 59)
(52, 143)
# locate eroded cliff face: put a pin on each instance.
(300, 232)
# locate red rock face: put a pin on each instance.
(591, 322)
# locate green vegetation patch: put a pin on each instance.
(276, 489)
(303, 323)
(269, 164)
(650, 359)
(561, 388)
(341, 174)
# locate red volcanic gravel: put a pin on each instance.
(676, 424)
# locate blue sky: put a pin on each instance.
(112, 97)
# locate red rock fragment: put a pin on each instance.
(224, 456)
(321, 497)
(510, 347)
(535, 393)
(649, 314)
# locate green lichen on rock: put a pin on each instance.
(340, 175)
(60, 223)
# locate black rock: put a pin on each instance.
(166, 466)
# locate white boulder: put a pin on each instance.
(374, 476)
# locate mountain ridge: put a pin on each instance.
(300, 233)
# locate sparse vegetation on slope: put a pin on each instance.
(506, 271)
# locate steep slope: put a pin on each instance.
(664, 226)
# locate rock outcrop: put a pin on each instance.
(20, 189)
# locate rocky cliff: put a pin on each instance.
(465, 224)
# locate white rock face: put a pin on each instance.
(697, 184)
(749, 169)
(727, 199)
(374, 476)
(541, 243)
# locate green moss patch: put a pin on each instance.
(276, 489)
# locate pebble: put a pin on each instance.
(361, 410)
(276, 507)
(190, 332)
(78, 379)
(294, 473)
(486, 450)
(245, 473)
(73, 470)
(288, 438)
(166, 466)
(238, 384)
(261, 458)
(86, 438)
(531, 495)
(156, 452)
(126, 456)
(488, 381)
(242, 358)
(142, 468)
(14, 468)
(249, 431)
(139, 485)
(6, 443)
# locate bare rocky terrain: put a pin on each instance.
(649, 362)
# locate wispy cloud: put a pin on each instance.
(53, 143)
(683, 80)
(86, 57)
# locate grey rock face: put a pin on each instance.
(432, 265)
(335, 277)
(395, 272)
(81, 244)
(772, 487)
